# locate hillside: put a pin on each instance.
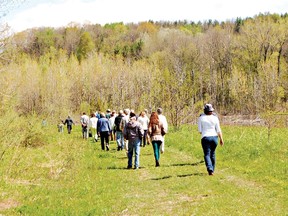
(239, 66)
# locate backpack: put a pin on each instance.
(117, 123)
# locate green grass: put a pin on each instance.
(69, 176)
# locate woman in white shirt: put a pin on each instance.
(144, 121)
(209, 127)
(93, 126)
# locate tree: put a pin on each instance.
(175, 65)
(85, 47)
(44, 40)
(71, 40)
(218, 55)
(238, 24)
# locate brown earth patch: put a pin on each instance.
(22, 182)
(243, 120)
(243, 182)
(7, 204)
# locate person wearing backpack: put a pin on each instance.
(119, 131)
(133, 132)
(123, 123)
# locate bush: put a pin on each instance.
(16, 130)
(32, 131)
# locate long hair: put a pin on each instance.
(154, 119)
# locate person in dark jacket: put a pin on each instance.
(104, 130)
(133, 132)
(119, 131)
(69, 123)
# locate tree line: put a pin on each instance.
(240, 66)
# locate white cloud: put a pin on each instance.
(59, 13)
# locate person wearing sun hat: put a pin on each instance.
(209, 128)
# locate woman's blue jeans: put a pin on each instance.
(209, 145)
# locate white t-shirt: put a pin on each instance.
(163, 120)
(84, 119)
(144, 121)
(208, 125)
(112, 121)
(93, 122)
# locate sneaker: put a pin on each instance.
(210, 173)
(129, 167)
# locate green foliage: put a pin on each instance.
(25, 131)
(85, 107)
(192, 28)
(238, 24)
(44, 40)
(33, 134)
(238, 66)
(86, 46)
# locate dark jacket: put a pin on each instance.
(68, 121)
(117, 122)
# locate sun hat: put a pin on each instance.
(208, 108)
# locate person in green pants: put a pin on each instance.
(156, 132)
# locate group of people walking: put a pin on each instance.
(136, 131)
(133, 131)
(130, 131)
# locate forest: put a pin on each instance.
(240, 66)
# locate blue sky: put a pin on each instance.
(57, 13)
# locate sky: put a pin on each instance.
(59, 13)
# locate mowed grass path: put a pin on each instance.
(69, 176)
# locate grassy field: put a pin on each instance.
(69, 176)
